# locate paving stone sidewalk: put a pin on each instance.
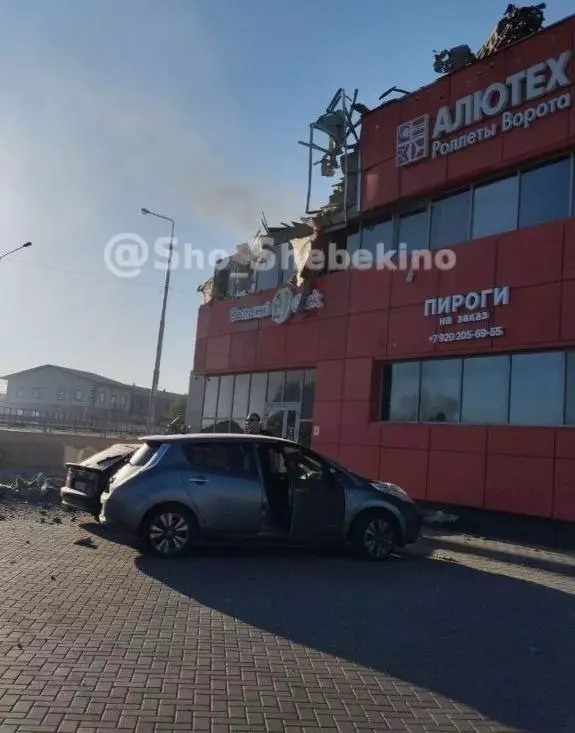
(457, 635)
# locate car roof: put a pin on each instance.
(213, 436)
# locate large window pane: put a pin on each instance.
(276, 387)
(485, 392)
(353, 243)
(450, 220)
(308, 394)
(211, 397)
(495, 207)
(545, 193)
(225, 397)
(440, 386)
(537, 388)
(413, 230)
(241, 396)
(258, 388)
(404, 395)
(570, 389)
(380, 234)
(268, 270)
(293, 386)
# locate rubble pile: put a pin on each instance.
(38, 489)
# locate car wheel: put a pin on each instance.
(169, 531)
(374, 537)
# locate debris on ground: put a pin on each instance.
(87, 542)
(439, 518)
(39, 488)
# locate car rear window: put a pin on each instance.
(144, 454)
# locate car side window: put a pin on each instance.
(230, 458)
(302, 465)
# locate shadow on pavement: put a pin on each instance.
(502, 646)
(499, 555)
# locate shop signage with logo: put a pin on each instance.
(473, 309)
(284, 303)
(418, 138)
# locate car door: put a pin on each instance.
(318, 499)
(224, 485)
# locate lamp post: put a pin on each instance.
(156, 376)
(17, 249)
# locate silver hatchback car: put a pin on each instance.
(178, 489)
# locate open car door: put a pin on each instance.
(318, 499)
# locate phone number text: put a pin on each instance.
(478, 333)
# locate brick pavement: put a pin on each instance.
(460, 635)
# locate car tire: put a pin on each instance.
(168, 531)
(374, 536)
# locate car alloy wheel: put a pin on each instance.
(378, 538)
(169, 533)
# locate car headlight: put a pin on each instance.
(392, 489)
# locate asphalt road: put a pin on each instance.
(456, 635)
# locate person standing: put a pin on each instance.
(253, 425)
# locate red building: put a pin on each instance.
(458, 384)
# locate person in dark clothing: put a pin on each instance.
(253, 425)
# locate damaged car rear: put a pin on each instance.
(86, 481)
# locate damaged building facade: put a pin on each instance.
(454, 378)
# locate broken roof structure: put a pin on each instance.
(340, 124)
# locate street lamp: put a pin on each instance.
(156, 376)
(22, 246)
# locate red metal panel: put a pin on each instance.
(406, 468)
(220, 319)
(332, 338)
(326, 418)
(364, 460)
(423, 286)
(203, 323)
(356, 429)
(565, 442)
(409, 332)
(200, 355)
(243, 351)
(456, 478)
(335, 289)
(569, 248)
(302, 343)
(401, 435)
(380, 185)
(370, 290)
(567, 311)
(367, 334)
(357, 380)
(218, 354)
(271, 349)
(460, 438)
(531, 256)
(519, 484)
(474, 268)
(564, 499)
(329, 450)
(531, 318)
(329, 382)
(378, 135)
(521, 441)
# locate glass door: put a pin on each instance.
(282, 420)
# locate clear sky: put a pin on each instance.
(192, 108)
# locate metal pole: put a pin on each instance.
(156, 377)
